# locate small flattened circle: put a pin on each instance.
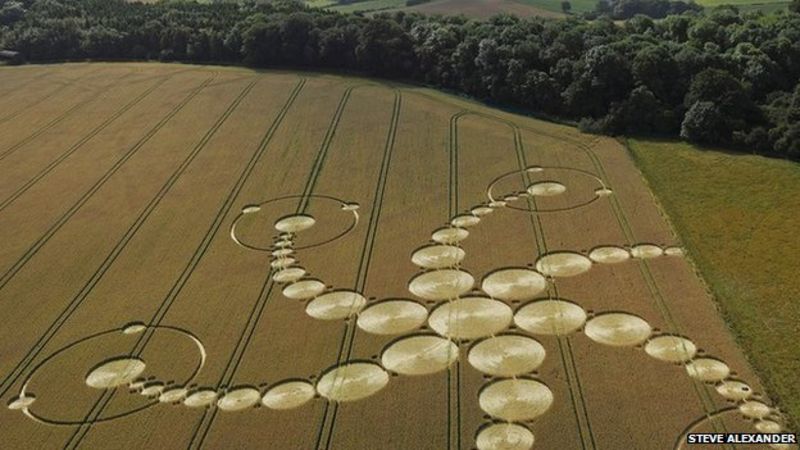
(603, 192)
(304, 289)
(172, 395)
(768, 426)
(239, 399)
(289, 274)
(707, 369)
(674, 349)
(674, 251)
(609, 255)
(481, 210)
(200, 398)
(289, 395)
(734, 390)
(282, 263)
(754, 409)
(152, 389)
(392, 317)
(646, 251)
(21, 402)
(465, 221)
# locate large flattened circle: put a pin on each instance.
(550, 317)
(668, 348)
(517, 399)
(352, 381)
(441, 284)
(470, 318)
(419, 355)
(707, 369)
(563, 264)
(508, 355)
(504, 436)
(609, 254)
(289, 395)
(336, 305)
(390, 317)
(304, 289)
(514, 284)
(449, 235)
(618, 329)
(438, 256)
(115, 372)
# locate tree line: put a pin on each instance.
(720, 77)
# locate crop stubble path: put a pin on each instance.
(33, 249)
(656, 296)
(86, 138)
(92, 96)
(582, 419)
(325, 433)
(106, 397)
(23, 365)
(207, 418)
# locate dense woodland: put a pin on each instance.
(718, 77)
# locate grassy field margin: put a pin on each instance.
(737, 216)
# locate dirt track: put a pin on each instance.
(119, 188)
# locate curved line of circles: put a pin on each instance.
(490, 194)
(23, 394)
(248, 209)
(313, 289)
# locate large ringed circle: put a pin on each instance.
(119, 371)
(297, 224)
(552, 189)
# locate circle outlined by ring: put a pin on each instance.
(121, 330)
(521, 172)
(256, 207)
